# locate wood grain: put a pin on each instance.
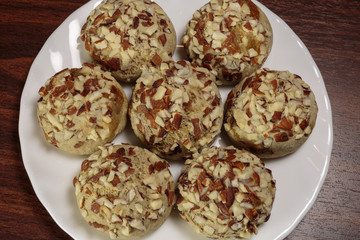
(329, 28)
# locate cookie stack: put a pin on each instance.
(177, 112)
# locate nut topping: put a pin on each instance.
(236, 192)
(80, 109)
(231, 37)
(127, 36)
(137, 203)
(176, 109)
(268, 108)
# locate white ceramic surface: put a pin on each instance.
(51, 171)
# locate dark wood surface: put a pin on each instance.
(329, 28)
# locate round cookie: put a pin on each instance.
(125, 191)
(271, 113)
(124, 35)
(225, 193)
(232, 37)
(176, 109)
(80, 109)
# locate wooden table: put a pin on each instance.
(329, 28)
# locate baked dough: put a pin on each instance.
(176, 109)
(125, 191)
(124, 35)
(80, 109)
(225, 193)
(271, 113)
(232, 37)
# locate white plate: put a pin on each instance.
(51, 171)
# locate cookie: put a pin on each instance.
(124, 35)
(176, 109)
(80, 109)
(272, 113)
(225, 193)
(125, 191)
(231, 37)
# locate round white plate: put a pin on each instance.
(299, 176)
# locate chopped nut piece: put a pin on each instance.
(156, 59)
(156, 204)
